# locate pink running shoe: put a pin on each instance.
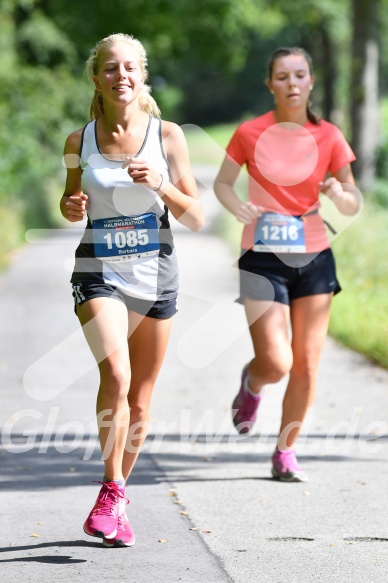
(102, 520)
(285, 467)
(125, 537)
(246, 405)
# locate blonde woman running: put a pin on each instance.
(126, 171)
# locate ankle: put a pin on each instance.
(255, 392)
(284, 449)
(120, 481)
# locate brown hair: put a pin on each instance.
(146, 102)
(285, 52)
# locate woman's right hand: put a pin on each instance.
(74, 206)
(248, 213)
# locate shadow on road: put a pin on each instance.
(43, 467)
(48, 469)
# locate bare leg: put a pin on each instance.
(105, 325)
(309, 320)
(147, 347)
(269, 329)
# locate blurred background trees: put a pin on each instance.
(207, 63)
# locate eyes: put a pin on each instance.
(112, 68)
(285, 77)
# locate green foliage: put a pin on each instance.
(195, 49)
(359, 313)
(378, 194)
(38, 96)
(207, 59)
(12, 231)
(382, 156)
(31, 135)
(382, 160)
(168, 98)
(40, 41)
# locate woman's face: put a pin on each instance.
(291, 82)
(120, 77)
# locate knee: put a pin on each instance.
(273, 367)
(304, 369)
(275, 375)
(277, 369)
(115, 380)
(139, 409)
(139, 400)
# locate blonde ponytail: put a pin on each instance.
(97, 106)
(146, 102)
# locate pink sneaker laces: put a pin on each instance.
(108, 498)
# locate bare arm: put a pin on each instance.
(341, 189)
(180, 196)
(245, 212)
(73, 202)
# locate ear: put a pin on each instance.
(312, 83)
(269, 85)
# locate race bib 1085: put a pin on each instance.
(126, 238)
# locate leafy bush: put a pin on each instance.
(38, 96)
(378, 194)
(382, 160)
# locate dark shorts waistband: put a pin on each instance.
(285, 277)
(160, 309)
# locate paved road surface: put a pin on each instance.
(203, 504)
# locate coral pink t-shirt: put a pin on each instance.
(285, 163)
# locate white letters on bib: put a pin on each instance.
(126, 238)
(279, 233)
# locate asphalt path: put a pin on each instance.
(203, 504)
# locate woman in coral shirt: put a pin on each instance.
(287, 269)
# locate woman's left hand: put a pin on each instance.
(343, 192)
(143, 173)
(331, 187)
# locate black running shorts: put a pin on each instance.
(286, 277)
(160, 309)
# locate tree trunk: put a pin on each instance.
(329, 72)
(364, 90)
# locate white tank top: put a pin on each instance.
(127, 241)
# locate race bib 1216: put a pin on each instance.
(279, 233)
